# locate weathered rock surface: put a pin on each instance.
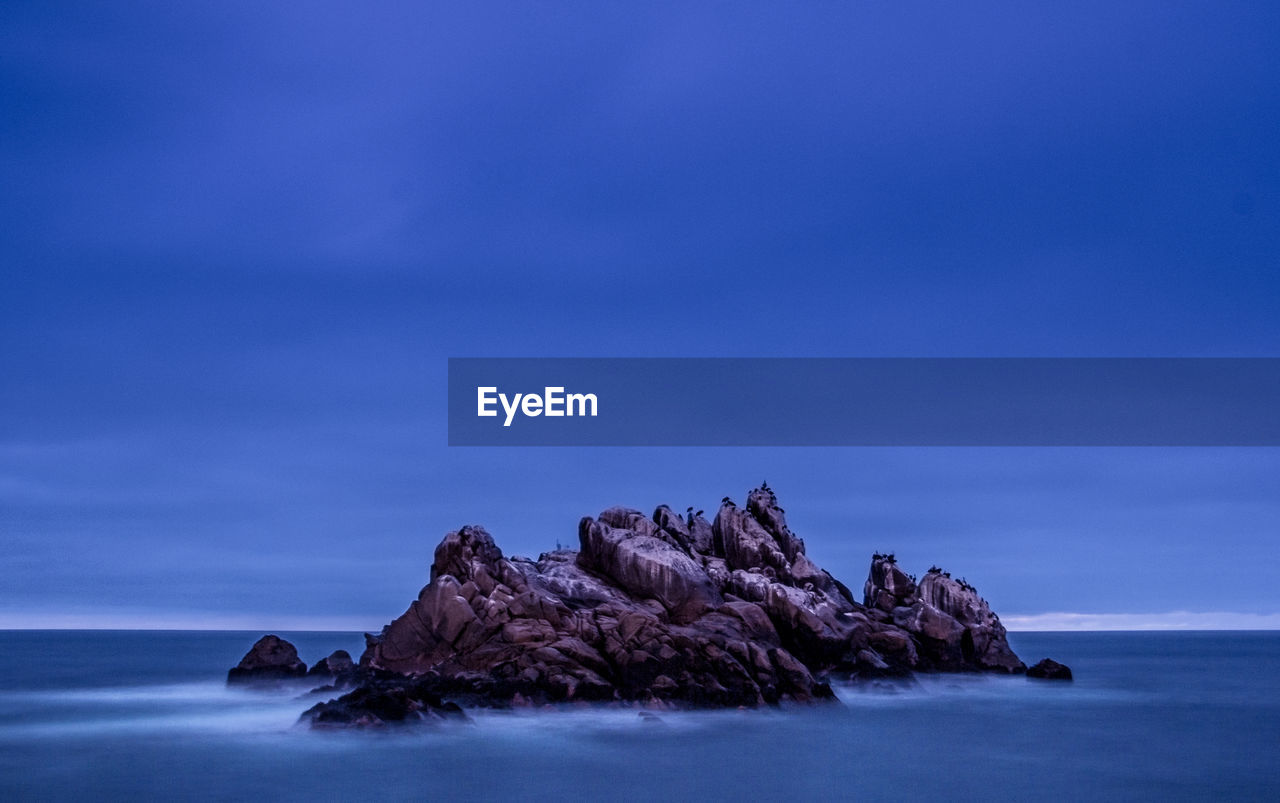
(662, 610)
(271, 659)
(951, 626)
(1049, 669)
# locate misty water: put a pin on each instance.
(1168, 715)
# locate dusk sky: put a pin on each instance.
(240, 243)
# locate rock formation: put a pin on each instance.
(952, 628)
(338, 662)
(271, 659)
(379, 702)
(662, 609)
(1049, 669)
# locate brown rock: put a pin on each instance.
(663, 610)
(271, 659)
(1049, 669)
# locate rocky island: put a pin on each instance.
(663, 610)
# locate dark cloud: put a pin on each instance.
(240, 243)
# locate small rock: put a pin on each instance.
(270, 659)
(1049, 669)
(339, 662)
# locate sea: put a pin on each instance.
(130, 715)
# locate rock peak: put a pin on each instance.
(464, 551)
(953, 626)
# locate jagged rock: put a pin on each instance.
(701, 535)
(647, 566)
(953, 627)
(659, 610)
(1049, 669)
(745, 544)
(887, 586)
(270, 659)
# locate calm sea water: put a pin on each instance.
(113, 715)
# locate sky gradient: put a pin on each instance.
(240, 244)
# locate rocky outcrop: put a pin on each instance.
(627, 617)
(951, 626)
(336, 671)
(337, 663)
(662, 610)
(1049, 669)
(642, 559)
(271, 659)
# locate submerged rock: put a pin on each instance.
(1049, 669)
(382, 702)
(271, 659)
(661, 611)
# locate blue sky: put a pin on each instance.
(241, 241)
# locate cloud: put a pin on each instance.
(151, 620)
(1172, 620)
(241, 247)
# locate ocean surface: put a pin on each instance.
(130, 714)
